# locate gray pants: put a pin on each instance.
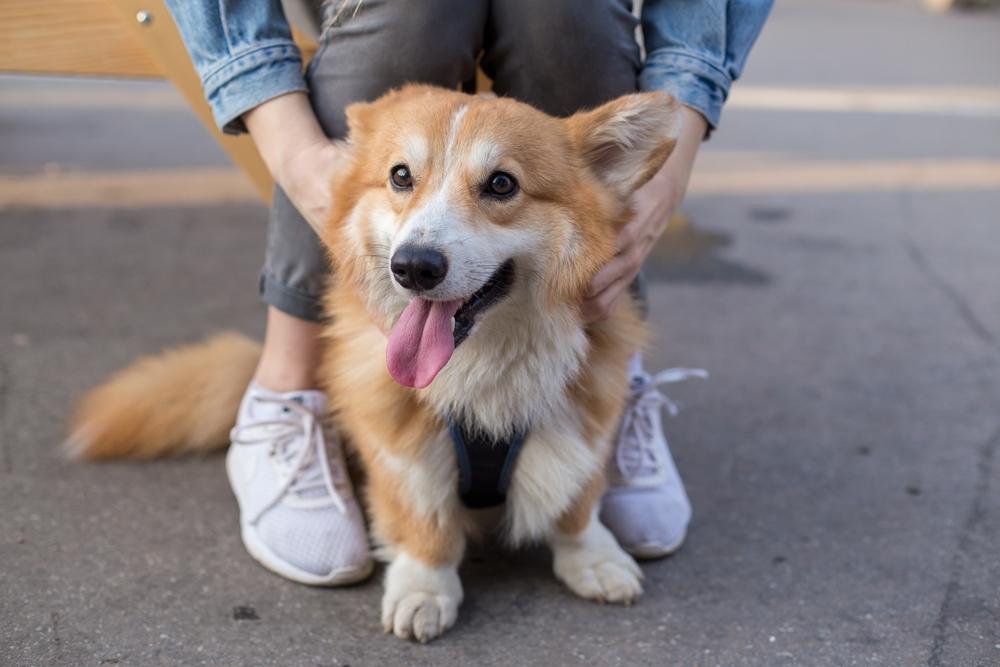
(558, 55)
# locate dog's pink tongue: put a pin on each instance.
(421, 342)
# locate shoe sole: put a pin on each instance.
(343, 576)
(654, 550)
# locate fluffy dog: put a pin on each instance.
(464, 233)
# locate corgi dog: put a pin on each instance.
(463, 236)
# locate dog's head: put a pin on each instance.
(449, 206)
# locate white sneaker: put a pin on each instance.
(646, 506)
(298, 514)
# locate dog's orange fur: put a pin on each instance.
(182, 400)
(576, 175)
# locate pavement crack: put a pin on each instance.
(958, 302)
(56, 638)
(976, 515)
(6, 461)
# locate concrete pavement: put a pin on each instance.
(842, 459)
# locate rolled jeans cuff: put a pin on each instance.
(290, 301)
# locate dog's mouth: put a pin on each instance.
(427, 332)
(492, 291)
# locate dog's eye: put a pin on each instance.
(401, 177)
(500, 184)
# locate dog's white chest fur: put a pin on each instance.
(514, 373)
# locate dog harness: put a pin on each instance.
(485, 464)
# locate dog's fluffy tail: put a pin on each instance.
(181, 400)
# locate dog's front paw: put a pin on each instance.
(418, 615)
(595, 567)
(606, 580)
(420, 601)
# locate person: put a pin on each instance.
(299, 516)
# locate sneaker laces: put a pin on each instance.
(307, 466)
(636, 447)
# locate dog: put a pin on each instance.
(464, 233)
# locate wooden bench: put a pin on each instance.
(119, 38)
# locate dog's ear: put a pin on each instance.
(359, 117)
(627, 140)
(362, 117)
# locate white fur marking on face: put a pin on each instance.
(473, 251)
(416, 151)
(385, 225)
(370, 229)
(474, 248)
(370, 221)
(420, 601)
(484, 155)
(449, 150)
(356, 230)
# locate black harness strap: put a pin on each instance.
(484, 465)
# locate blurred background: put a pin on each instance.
(836, 268)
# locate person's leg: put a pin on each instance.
(298, 513)
(564, 57)
(290, 354)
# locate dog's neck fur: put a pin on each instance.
(515, 369)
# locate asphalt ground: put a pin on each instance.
(839, 276)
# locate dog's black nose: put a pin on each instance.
(418, 268)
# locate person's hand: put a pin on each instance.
(307, 176)
(653, 205)
(298, 154)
